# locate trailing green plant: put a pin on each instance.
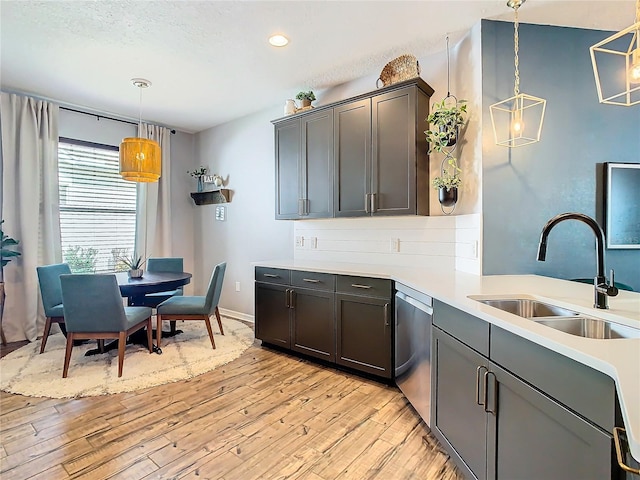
(446, 123)
(306, 96)
(81, 260)
(7, 252)
(450, 176)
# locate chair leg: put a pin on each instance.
(45, 335)
(67, 354)
(208, 323)
(122, 342)
(149, 335)
(158, 329)
(217, 312)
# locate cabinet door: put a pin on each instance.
(313, 325)
(394, 152)
(364, 334)
(456, 417)
(288, 195)
(272, 314)
(317, 164)
(533, 437)
(352, 158)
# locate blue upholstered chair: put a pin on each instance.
(167, 264)
(51, 293)
(194, 307)
(93, 309)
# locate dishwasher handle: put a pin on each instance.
(412, 301)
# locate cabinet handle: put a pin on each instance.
(310, 280)
(306, 207)
(374, 209)
(292, 302)
(486, 393)
(271, 275)
(300, 206)
(386, 314)
(366, 203)
(286, 298)
(478, 400)
(616, 440)
(357, 285)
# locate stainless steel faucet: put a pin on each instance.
(601, 288)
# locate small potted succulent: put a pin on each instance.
(134, 263)
(305, 98)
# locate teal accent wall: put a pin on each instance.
(524, 187)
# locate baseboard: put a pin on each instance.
(237, 315)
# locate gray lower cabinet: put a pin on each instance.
(304, 166)
(364, 324)
(302, 312)
(497, 424)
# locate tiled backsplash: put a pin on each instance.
(433, 241)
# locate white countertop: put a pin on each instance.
(617, 358)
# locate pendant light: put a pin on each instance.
(517, 121)
(616, 66)
(140, 158)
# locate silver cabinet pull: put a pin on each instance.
(386, 314)
(357, 285)
(271, 275)
(480, 401)
(486, 393)
(373, 203)
(300, 206)
(286, 298)
(616, 440)
(310, 280)
(292, 301)
(366, 203)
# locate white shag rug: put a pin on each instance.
(186, 355)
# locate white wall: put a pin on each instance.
(242, 152)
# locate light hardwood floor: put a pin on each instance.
(266, 415)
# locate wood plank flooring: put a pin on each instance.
(266, 415)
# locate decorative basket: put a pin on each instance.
(405, 67)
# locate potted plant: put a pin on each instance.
(446, 122)
(7, 253)
(198, 173)
(306, 98)
(134, 263)
(448, 183)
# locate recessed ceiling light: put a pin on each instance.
(278, 40)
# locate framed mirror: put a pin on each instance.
(622, 205)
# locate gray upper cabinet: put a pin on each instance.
(359, 157)
(304, 166)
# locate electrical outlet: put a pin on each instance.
(474, 249)
(299, 242)
(394, 245)
(314, 243)
(237, 286)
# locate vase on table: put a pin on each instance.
(200, 184)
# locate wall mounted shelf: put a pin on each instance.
(210, 197)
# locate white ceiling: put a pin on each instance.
(209, 61)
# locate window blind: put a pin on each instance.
(97, 207)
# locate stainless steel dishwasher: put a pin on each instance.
(413, 318)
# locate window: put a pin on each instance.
(97, 207)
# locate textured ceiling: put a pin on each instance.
(209, 61)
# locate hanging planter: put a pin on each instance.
(450, 134)
(448, 196)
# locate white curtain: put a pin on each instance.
(153, 222)
(30, 206)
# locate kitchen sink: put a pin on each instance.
(528, 308)
(590, 327)
(561, 319)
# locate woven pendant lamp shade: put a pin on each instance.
(140, 160)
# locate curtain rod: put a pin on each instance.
(99, 116)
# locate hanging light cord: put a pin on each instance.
(140, 110)
(448, 76)
(516, 88)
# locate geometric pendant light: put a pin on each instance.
(140, 158)
(616, 65)
(517, 121)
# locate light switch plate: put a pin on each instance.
(220, 213)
